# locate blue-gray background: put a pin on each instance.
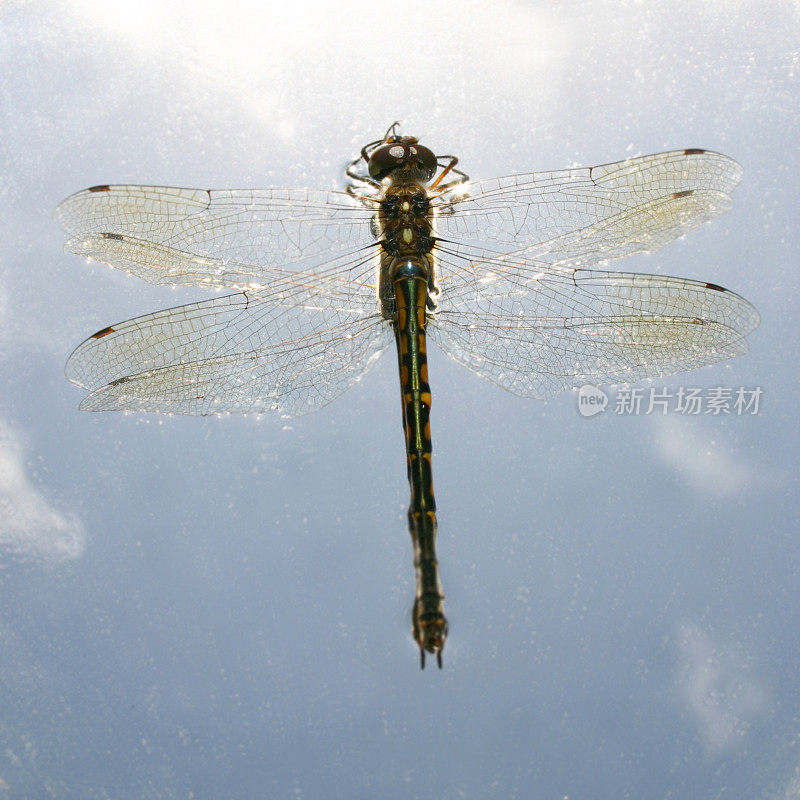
(221, 607)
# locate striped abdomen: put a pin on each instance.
(410, 281)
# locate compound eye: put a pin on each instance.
(386, 158)
(425, 160)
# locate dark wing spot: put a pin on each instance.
(684, 193)
(693, 151)
(102, 333)
(103, 188)
(715, 287)
(116, 236)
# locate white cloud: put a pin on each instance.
(29, 524)
(251, 50)
(702, 459)
(791, 790)
(723, 697)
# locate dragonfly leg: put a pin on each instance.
(359, 177)
(462, 176)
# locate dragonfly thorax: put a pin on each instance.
(406, 221)
(405, 233)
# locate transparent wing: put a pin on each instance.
(235, 353)
(529, 209)
(464, 270)
(537, 330)
(243, 239)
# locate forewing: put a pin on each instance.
(529, 209)
(561, 327)
(243, 239)
(235, 353)
(464, 270)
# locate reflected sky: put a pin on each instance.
(221, 606)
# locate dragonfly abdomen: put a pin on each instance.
(410, 281)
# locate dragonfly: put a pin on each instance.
(503, 274)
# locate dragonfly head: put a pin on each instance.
(402, 152)
(430, 633)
